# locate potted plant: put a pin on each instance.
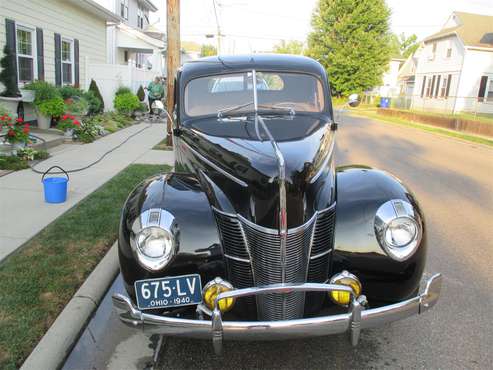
(67, 123)
(16, 133)
(10, 95)
(48, 102)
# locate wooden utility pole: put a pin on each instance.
(173, 54)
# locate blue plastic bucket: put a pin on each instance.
(384, 102)
(55, 188)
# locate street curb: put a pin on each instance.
(56, 344)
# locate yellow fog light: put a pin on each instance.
(212, 289)
(348, 279)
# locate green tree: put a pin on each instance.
(7, 75)
(351, 39)
(290, 47)
(208, 50)
(403, 46)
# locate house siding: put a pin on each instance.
(476, 64)
(439, 65)
(58, 16)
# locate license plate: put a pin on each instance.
(168, 292)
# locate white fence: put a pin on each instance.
(109, 77)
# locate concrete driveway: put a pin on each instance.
(453, 181)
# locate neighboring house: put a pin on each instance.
(407, 74)
(53, 38)
(454, 70)
(134, 41)
(390, 85)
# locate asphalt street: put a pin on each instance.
(453, 180)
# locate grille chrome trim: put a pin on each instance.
(254, 257)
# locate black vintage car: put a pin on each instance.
(257, 235)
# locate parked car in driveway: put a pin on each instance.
(257, 235)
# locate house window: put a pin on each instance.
(433, 51)
(140, 17)
(443, 88)
(449, 49)
(67, 61)
(428, 87)
(124, 9)
(486, 89)
(25, 54)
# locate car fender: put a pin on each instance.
(198, 246)
(360, 192)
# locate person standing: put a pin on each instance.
(155, 91)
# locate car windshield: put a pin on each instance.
(233, 93)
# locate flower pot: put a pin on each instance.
(17, 146)
(5, 149)
(68, 134)
(10, 103)
(44, 122)
(27, 96)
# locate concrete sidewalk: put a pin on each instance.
(23, 211)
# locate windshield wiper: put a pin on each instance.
(290, 110)
(220, 113)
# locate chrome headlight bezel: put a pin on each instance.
(154, 225)
(394, 213)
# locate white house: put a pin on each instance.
(454, 70)
(52, 39)
(390, 86)
(134, 40)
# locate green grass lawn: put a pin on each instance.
(371, 113)
(38, 282)
(162, 145)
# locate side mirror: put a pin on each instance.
(353, 100)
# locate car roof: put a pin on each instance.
(240, 63)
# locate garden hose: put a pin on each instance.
(97, 160)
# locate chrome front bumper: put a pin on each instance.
(353, 321)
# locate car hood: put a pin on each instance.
(241, 172)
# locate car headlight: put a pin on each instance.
(155, 239)
(398, 229)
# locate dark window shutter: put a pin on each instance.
(432, 86)
(40, 52)
(438, 85)
(11, 44)
(423, 86)
(58, 59)
(76, 63)
(449, 79)
(482, 88)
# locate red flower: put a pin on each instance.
(11, 133)
(64, 117)
(2, 118)
(25, 130)
(77, 123)
(9, 118)
(71, 117)
(19, 120)
(26, 125)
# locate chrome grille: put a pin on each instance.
(253, 256)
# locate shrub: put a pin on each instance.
(126, 103)
(29, 154)
(76, 105)
(12, 163)
(68, 92)
(7, 75)
(44, 91)
(94, 104)
(141, 93)
(93, 87)
(123, 90)
(89, 130)
(53, 107)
